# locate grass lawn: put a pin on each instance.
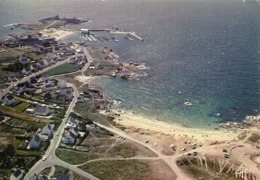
(60, 170)
(84, 108)
(14, 53)
(35, 56)
(123, 150)
(46, 171)
(9, 130)
(27, 124)
(119, 169)
(29, 152)
(17, 143)
(17, 115)
(21, 107)
(10, 54)
(64, 68)
(75, 157)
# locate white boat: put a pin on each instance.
(94, 39)
(89, 38)
(129, 38)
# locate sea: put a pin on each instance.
(205, 52)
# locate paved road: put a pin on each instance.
(89, 58)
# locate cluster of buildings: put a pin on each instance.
(72, 131)
(44, 134)
(58, 54)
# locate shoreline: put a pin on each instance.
(131, 120)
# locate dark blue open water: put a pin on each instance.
(206, 52)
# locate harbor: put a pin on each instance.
(116, 31)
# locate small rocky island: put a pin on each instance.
(52, 22)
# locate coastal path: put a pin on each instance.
(89, 58)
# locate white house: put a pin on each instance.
(26, 71)
(32, 80)
(19, 90)
(69, 138)
(19, 74)
(93, 128)
(47, 87)
(35, 142)
(47, 130)
(71, 123)
(44, 79)
(41, 50)
(75, 131)
(12, 78)
(9, 100)
(17, 175)
(62, 84)
(61, 56)
(29, 111)
(34, 67)
(39, 65)
(55, 49)
(67, 93)
(24, 60)
(46, 63)
(43, 63)
(42, 111)
(72, 60)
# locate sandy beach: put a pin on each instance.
(175, 141)
(57, 34)
(130, 119)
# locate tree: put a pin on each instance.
(10, 150)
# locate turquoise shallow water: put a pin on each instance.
(202, 51)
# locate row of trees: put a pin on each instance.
(16, 67)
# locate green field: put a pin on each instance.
(119, 169)
(62, 69)
(21, 107)
(74, 157)
(15, 53)
(7, 111)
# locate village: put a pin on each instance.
(33, 103)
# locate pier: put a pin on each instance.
(111, 31)
(87, 31)
(127, 33)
